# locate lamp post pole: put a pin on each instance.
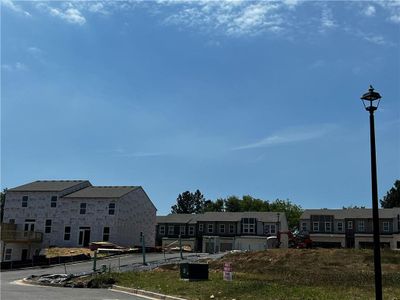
(375, 213)
(373, 96)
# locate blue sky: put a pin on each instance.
(230, 97)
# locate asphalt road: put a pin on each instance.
(10, 290)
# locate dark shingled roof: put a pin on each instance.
(237, 216)
(220, 217)
(102, 192)
(349, 213)
(178, 218)
(47, 186)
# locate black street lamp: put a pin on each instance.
(371, 101)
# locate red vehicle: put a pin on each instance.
(297, 239)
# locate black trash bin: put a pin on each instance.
(194, 271)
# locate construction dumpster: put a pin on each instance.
(194, 271)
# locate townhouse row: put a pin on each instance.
(222, 231)
(351, 228)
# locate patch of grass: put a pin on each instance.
(279, 274)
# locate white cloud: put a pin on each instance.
(369, 11)
(98, 7)
(18, 66)
(11, 5)
(327, 20)
(71, 15)
(35, 51)
(378, 40)
(232, 18)
(288, 136)
(392, 8)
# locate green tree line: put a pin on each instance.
(195, 203)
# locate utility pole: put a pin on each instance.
(143, 248)
(180, 246)
(94, 260)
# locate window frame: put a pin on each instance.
(82, 208)
(171, 232)
(210, 228)
(191, 230)
(8, 254)
(161, 232)
(53, 201)
(47, 225)
(387, 225)
(232, 228)
(339, 228)
(304, 226)
(315, 226)
(272, 226)
(350, 224)
(182, 230)
(106, 235)
(359, 227)
(25, 200)
(221, 228)
(249, 225)
(329, 225)
(111, 209)
(67, 233)
(201, 227)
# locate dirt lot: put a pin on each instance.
(54, 252)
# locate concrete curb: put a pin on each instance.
(144, 293)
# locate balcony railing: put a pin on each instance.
(19, 236)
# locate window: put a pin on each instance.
(340, 226)
(231, 228)
(201, 227)
(328, 227)
(25, 201)
(8, 254)
(361, 226)
(191, 230)
(182, 230)
(53, 202)
(83, 209)
(249, 225)
(304, 226)
(106, 234)
(171, 230)
(210, 228)
(161, 230)
(315, 226)
(67, 233)
(349, 224)
(111, 208)
(385, 226)
(272, 229)
(47, 227)
(11, 221)
(222, 228)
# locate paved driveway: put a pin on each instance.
(12, 291)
